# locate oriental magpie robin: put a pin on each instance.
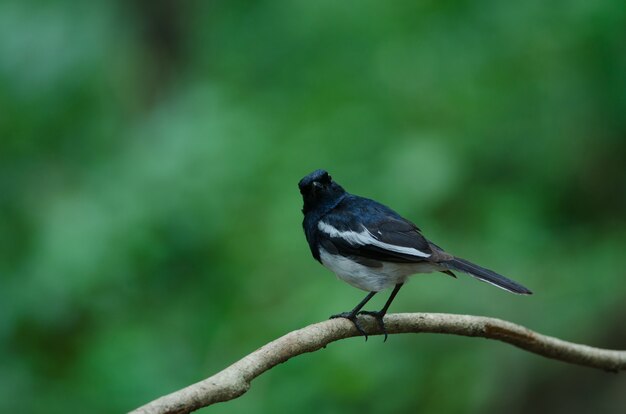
(371, 247)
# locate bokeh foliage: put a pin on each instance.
(149, 216)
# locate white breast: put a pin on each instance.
(373, 279)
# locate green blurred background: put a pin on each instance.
(150, 225)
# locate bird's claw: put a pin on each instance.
(378, 315)
(352, 318)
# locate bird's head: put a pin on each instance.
(319, 191)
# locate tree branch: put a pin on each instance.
(235, 380)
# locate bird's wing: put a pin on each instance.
(365, 229)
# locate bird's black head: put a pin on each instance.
(319, 192)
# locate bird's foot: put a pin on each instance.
(351, 316)
(378, 315)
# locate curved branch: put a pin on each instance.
(235, 380)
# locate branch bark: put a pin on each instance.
(235, 380)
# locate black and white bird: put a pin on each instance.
(371, 247)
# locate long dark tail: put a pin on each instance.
(486, 275)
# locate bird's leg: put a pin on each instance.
(378, 315)
(351, 316)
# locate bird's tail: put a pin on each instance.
(486, 275)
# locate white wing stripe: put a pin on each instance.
(365, 238)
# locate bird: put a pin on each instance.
(373, 248)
